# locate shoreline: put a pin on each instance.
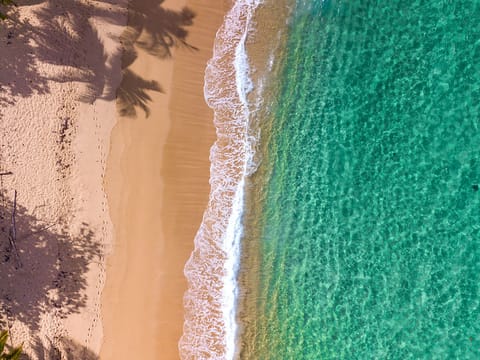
(157, 185)
(214, 297)
(210, 302)
(266, 47)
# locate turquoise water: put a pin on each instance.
(369, 234)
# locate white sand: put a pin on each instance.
(57, 109)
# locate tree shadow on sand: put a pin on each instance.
(157, 31)
(63, 349)
(64, 38)
(50, 275)
(62, 34)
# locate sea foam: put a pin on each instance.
(210, 327)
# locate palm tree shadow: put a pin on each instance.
(51, 274)
(157, 31)
(63, 36)
(19, 74)
(77, 47)
(133, 94)
(63, 349)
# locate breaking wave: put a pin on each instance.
(210, 327)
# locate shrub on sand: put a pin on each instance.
(13, 354)
(4, 5)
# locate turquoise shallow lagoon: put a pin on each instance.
(369, 235)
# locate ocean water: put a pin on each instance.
(344, 213)
(361, 231)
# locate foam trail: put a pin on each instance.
(210, 327)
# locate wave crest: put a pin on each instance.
(210, 327)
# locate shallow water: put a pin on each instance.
(368, 233)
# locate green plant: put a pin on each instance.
(13, 354)
(5, 4)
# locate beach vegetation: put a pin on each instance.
(4, 6)
(13, 354)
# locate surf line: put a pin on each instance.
(210, 302)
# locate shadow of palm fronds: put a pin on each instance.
(61, 34)
(19, 75)
(51, 273)
(61, 349)
(159, 40)
(133, 94)
(157, 31)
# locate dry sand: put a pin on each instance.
(60, 68)
(157, 179)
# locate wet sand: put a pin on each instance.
(157, 183)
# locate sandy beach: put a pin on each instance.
(57, 108)
(103, 172)
(157, 185)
